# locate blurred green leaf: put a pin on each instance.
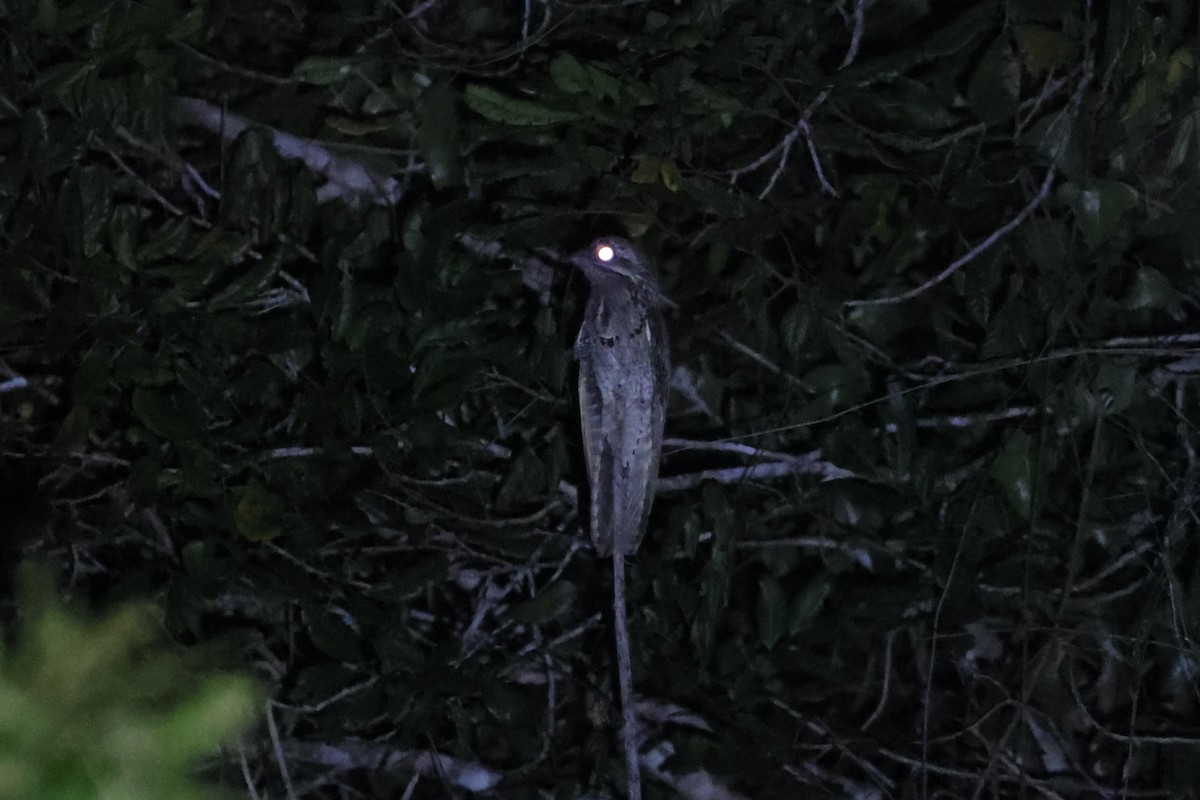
(102, 709)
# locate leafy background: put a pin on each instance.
(285, 343)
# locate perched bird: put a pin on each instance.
(623, 373)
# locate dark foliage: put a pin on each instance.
(285, 348)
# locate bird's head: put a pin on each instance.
(612, 259)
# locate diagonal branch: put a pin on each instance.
(783, 149)
(346, 177)
(1040, 197)
(971, 254)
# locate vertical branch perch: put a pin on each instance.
(629, 733)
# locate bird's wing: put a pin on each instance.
(593, 409)
(622, 388)
(642, 425)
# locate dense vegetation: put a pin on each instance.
(285, 350)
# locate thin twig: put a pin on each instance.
(856, 37)
(277, 746)
(826, 186)
(698, 784)
(719, 446)
(128, 170)
(246, 773)
(784, 148)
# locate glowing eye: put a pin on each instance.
(605, 253)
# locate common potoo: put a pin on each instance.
(623, 375)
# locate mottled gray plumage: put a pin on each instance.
(623, 375)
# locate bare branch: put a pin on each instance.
(358, 754)
(346, 177)
(826, 186)
(537, 271)
(145, 184)
(809, 464)
(684, 382)
(698, 784)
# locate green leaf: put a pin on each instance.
(257, 513)
(952, 38)
(569, 74)
(835, 385)
(354, 127)
(1098, 206)
(418, 574)
(646, 171)
(1014, 329)
(772, 612)
(437, 135)
(551, 602)
(1150, 291)
(1053, 138)
(498, 107)
(1116, 382)
(247, 286)
(1042, 48)
(670, 175)
(331, 632)
(95, 188)
(1013, 470)
(1184, 138)
(716, 575)
(172, 416)
(527, 478)
(794, 328)
(323, 70)
(807, 603)
(996, 84)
